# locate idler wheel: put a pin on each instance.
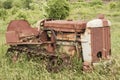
(12, 54)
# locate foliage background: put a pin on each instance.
(57, 9)
(34, 10)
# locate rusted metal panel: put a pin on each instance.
(27, 43)
(66, 26)
(96, 43)
(66, 36)
(17, 25)
(50, 48)
(18, 29)
(43, 36)
(12, 37)
(100, 43)
(107, 43)
(105, 22)
(22, 27)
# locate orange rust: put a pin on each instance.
(19, 32)
(66, 26)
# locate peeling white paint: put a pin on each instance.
(97, 23)
(86, 38)
(86, 47)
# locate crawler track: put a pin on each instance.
(55, 63)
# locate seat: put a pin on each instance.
(22, 28)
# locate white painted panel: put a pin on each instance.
(86, 46)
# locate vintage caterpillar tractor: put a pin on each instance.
(59, 40)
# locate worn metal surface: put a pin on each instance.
(66, 36)
(62, 36)
(20, 31)
(97, 40)
(100, 43)
(66, 26)
(22, 27)
(65, 31)
(12, 37)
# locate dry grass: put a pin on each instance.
(31, 70)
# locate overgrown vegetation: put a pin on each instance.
(31, 70)
(57, 9)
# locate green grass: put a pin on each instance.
(31, 70)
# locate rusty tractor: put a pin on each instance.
(60, 40)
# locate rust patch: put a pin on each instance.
(18, 29)
(66, 26)
(22, 27)
(100, 43)
(12, 36)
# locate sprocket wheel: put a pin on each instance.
(55, 64)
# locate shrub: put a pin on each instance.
(112, 5)
(27, 3)
(0, 4)
(17, 3)
(3, 13)
(21, 14)
(22, 3)
(80, 0)
(96, 2)
(57, 9)
(7, 4)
